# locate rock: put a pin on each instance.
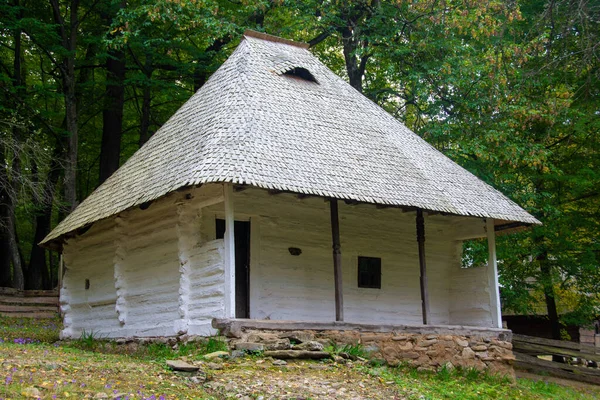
(279, 362)
(214, 366)
(277, 344)
(479, 347)
(250, 347)
(101, 395)
(467, 353)
(428, 342)
(461, 342)
(431, 337)
(411, 355)
(339, 360)
(399, 338)
(311, 345)
(237, 354)
(297, 336)
(179, 365)
(216, 354)
(31, 392)
(291, 354)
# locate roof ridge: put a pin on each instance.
(276, 39)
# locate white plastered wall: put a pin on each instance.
(160, 271)
(286, 287)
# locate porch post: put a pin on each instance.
(494, 288)
(229, 261)
(337, 260)
(422, 266)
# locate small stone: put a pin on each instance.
(467, 353)
(216, 354)
(214, 366)
(480, 347)
(237, 354)
(310, 345)
(250, 347)
(279, 362)
(31, 392)
(431, 337)
(101, 395)
(179, 365)
(339, 360)
(277, 344)
(399, 338)
(428, 342)
(461, 342)
(411, 355)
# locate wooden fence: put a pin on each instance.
(28, 303)
(527, 348)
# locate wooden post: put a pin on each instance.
(229, 241)
(337, 260)
(422, 265)
(493, 286)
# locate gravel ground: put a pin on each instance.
(261, 379)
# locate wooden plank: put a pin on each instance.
(27, 293)
(40, 293)
(422, 266)
(45, 314)
(28, 300)
(11, 308)
(540, 349)
(337, 260)
(556, 343)
(567, 371)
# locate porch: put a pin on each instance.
(303, 254)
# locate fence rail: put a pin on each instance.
(28, 303)
(528, 348)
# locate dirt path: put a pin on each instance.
(261, 379)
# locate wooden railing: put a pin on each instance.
(28, 303)
(528, 348)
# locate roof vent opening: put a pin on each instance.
(300, 73)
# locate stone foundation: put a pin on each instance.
(425, 347)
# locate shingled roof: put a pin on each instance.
(274, 117)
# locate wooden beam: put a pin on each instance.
(494, 288)
(229, 240)
(422, 266)
(337, 260)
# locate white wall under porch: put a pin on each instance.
(286, 287)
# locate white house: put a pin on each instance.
(233, 207)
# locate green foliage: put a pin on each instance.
(354, 350)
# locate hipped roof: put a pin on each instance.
(253, 123)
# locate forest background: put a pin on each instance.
(508, 89)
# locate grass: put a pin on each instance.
(29, 330)
(30, 361)
(459, 383)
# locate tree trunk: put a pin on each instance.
(549, 296)
(38, 273)
(112, 116)
(146, 101)
(68, 31)
(5, 206)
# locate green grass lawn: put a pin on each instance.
(32, 365)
